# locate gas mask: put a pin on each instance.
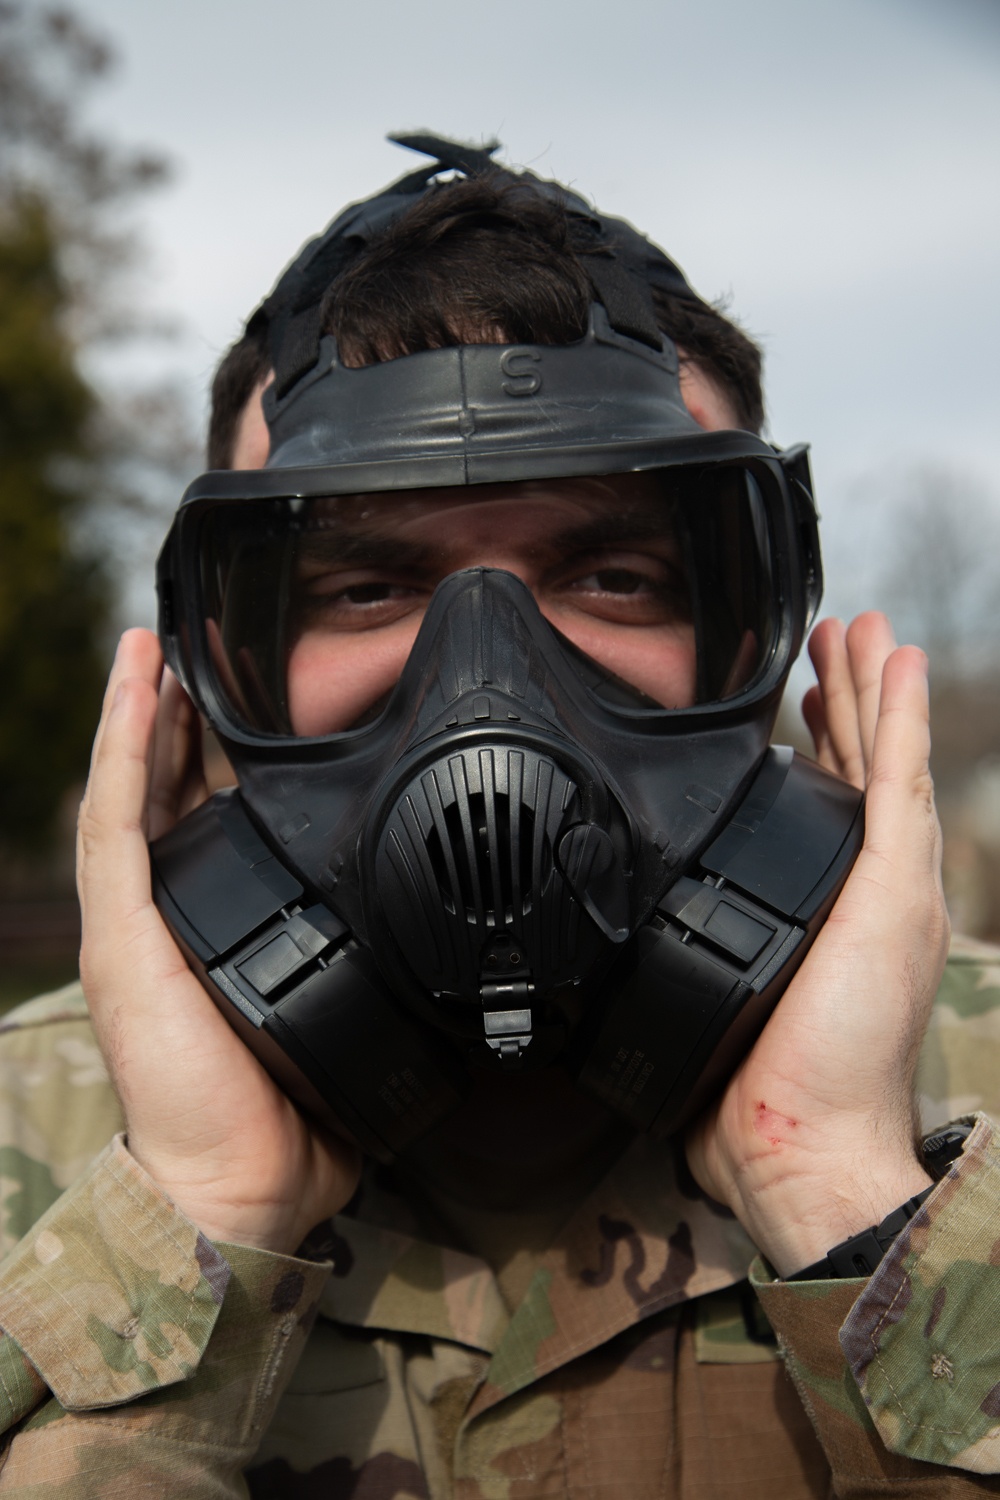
(521, 848)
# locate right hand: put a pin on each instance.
(815, 1136)
(203, 1117)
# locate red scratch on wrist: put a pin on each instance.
(774, 1127)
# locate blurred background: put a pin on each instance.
(829, 172)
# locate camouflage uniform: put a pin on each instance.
(138, 1358)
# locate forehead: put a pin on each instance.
(529, 506)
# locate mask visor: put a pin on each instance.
(663, 580)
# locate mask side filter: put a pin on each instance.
(307, 1000)
(696, 987)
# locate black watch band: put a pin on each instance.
(859, 1255)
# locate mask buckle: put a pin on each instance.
(506, 998)
(508, 1030)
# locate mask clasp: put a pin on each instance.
(507, 1019)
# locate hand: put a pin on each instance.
(203, 1117)
(815, 1136)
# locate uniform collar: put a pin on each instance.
(643, 1241)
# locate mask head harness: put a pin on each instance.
(622, 264)
(518, 858)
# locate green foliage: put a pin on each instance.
(54, 599)
(65, 251)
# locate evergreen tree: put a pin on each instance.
(54, 599)
(63, 255)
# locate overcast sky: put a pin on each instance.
(830, 167)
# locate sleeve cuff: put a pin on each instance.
(921, 1338)
(922, 1361)
(114, 1293)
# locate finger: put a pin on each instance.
(870, 642)
(137, 655)
(177, 780)
(828, 651)
(901, 821)
(902, 850)
(814, 714)
(113, 859)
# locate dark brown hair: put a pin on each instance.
(479, 260)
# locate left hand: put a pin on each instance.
(814, 1138)
(203, 1117)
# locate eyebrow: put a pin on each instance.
(356, 546)
(621, 530)
(353, 548)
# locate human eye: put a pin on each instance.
(333, 599)
(614, 580)
(630, 587)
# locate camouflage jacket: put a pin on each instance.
(138, 1358)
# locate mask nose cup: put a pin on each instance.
(495, 891)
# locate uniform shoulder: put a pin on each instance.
(65, 1004)
(57, 1107)
(959, 1069)
(970, 985)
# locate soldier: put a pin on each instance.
(535, 1298)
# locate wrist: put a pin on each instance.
(256, 1226)
(795, 1219)
(860, 1254)
(228, 1227)
(276, 1224)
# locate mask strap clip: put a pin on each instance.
(507, 1018)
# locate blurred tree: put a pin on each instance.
(940, 570)
(48, 61)
(54, 601)
(924, 545)
(65, 249)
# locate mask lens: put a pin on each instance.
(661, 582)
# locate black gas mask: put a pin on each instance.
(521, 847)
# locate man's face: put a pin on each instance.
(599, 556)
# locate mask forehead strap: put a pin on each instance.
(290, 316)
(613, 275)
(449, 156)
(621, 264)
